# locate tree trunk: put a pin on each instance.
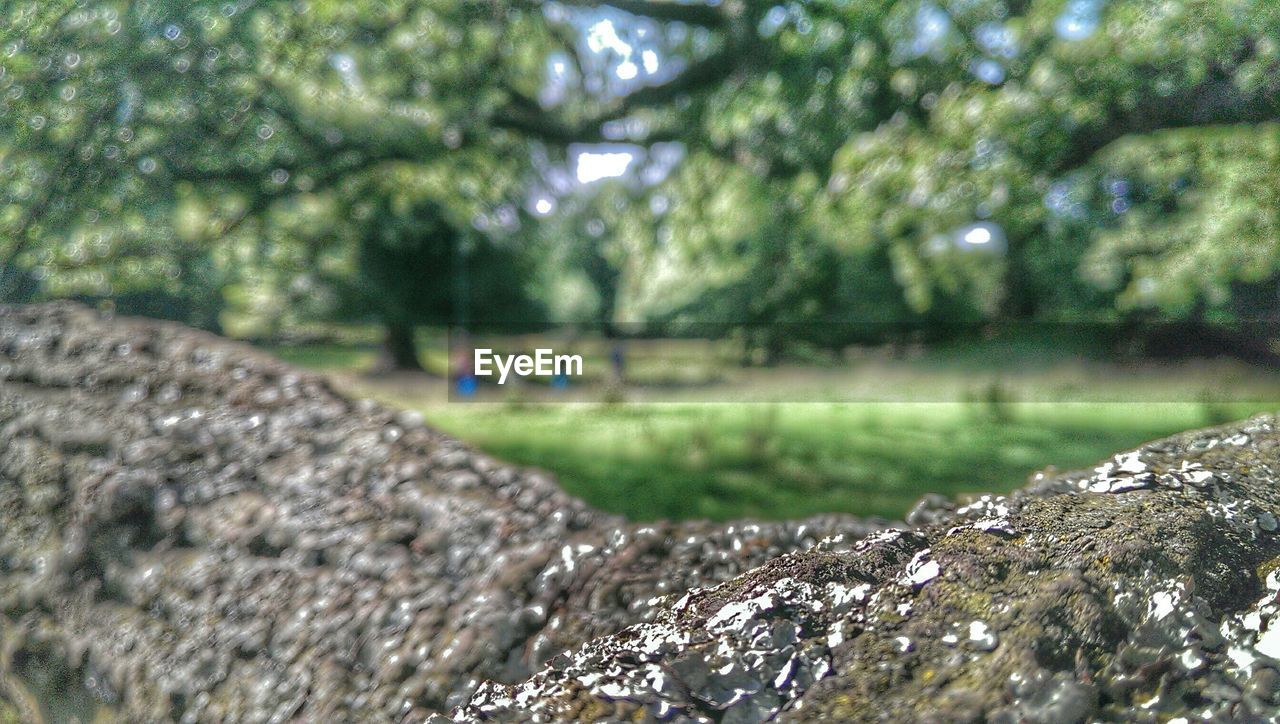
(1019, 293)
(399, 353)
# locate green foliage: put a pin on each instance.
(1204, 216)
(224, 153)
(903, 123)
(845, 164)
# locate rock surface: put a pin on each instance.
(192, 531)
(1143, 591)
(189, 530)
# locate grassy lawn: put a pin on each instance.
(906, 427)
(662, 460)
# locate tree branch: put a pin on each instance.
(703, 15)
(1215, 100)
(525, 116)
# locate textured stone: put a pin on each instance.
(192, 531)
(1144, 590)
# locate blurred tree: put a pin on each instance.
(414, 267)
(974, 145)
(164, 149)
(987, 157)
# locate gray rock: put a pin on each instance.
(1080, 598)
(193, 531)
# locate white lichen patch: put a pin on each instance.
(981, 637)
(920, 570)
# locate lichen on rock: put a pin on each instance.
(1082, 597)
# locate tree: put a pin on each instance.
(151, 139)
(976, 145)
(968, 150)
(415, 267)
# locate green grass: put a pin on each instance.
(722, 461)
(327, 357)
(942, 421)
(669, 363)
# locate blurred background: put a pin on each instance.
(819, 256)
